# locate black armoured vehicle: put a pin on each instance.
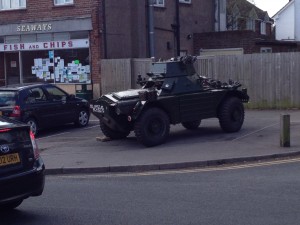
(173, 94)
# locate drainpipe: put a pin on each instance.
(177, 28)
(104, 30)
(219, 16)
(151, 27)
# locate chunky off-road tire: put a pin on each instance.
(231, 114)
(153, 127)
(10, 206)
(33, 125)
(112, 134)
(191, 125)
(82, 118)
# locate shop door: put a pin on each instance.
(12, 68)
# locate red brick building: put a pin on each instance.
(55, 41)
(63, 41)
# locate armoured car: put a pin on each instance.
(174, 93)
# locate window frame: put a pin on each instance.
(263, 28)
(157, 4)
(266, 50)
(185, 1)
(19, 7)
(64, 2)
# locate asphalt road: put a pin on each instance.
(246, 194)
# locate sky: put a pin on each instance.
(271, 6)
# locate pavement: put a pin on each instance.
(69, 150)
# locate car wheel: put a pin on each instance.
(191, 125)
(33, 125)
(82, 118)
(153, 127)
(113, 134)
(231, 115)
(10, 205)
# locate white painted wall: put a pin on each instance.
(297, 19)
(285, 23)
(220, 15)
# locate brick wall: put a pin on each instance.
(44, 10)
(2, 75)
(250, 41)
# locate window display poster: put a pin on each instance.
(13, 64)
(57, 70)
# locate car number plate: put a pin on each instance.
(9, 159)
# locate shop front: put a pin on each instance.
(54, 51)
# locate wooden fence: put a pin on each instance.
(272, 80)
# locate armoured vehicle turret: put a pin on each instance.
(174, 93)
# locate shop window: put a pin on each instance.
(12, 4)
(79, 35)
(61, 36)
(44, 37)
(28, 38)
(12, 39)
(1, 39)
(63, 2)
(57, 66)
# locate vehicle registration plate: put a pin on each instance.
(9, 159)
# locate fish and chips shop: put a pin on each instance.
(53, 51)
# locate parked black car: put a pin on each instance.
(21, 167)
(42, 106)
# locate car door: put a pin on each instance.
(65, 109)
(39, 106)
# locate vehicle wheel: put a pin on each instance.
(10, 205)
(82, 118)
(153, 127)
(113, 134)
(231, 115)
(33, 125)
(191, 125)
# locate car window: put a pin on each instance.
(7, 98)
(14, 136)
(35, 95)
(56, 94)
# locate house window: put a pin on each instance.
(263, 28)
(186, 1)
(12, 4)
(160, 3)
(63, 2)
(251, 24)
(265, 50)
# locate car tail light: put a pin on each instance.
(16, 111)
(4, 130)
(34, 145)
